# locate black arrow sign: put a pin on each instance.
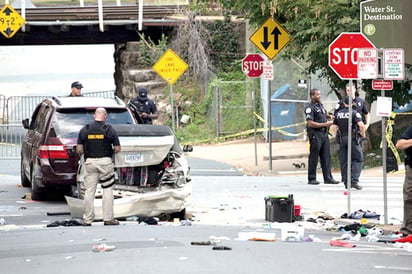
(266, 43)
(8, 11)
(276, 32)
(8, 31)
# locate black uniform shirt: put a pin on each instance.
(144, 105)
(408, 135)
(317, 113)
(341, 120)
(358, 104)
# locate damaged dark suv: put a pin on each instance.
(48, 157)
(152, 173)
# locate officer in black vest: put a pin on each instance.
(357, 133)
(317, 125)
(143, 108)
(405, 142)
(98, 141)
(358, 104)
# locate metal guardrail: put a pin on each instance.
(11, 137)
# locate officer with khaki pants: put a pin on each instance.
(98, 141)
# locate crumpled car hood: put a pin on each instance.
(150, 204)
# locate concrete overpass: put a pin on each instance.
(93, 24)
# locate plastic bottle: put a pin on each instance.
(2, 221)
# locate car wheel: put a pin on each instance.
(25, 182)
(36, 192)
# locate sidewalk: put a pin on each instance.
(289, 157)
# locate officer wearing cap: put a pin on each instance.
(358, 132)
(317, 124)
(143, 108)
(76, 89)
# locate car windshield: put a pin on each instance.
(68, 122)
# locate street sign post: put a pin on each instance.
(393, 64)
(368, 63)
(252, 65)
(343, 54)
(10, 21)
(268, 70)
(382, 85)
(343, 60)
(270, 38)
(170, 67)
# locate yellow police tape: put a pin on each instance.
(279, 129)
(388, 136)
(250, 131)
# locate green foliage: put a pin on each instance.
(224, 44)
(149, 51)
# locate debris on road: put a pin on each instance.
(102, 247)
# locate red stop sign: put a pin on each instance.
(343, 53)
(252, 65)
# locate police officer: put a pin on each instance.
(357, 133)
(317, 124)
(358, 104)
(405, 142)
(76, 89)
(143, 107)
(97, 141)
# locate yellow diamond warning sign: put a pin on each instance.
(270, 38)
(170, 66)
(10, 21)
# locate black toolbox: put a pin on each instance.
(280, 209)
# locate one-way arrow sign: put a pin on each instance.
(270, 38)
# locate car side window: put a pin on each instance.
(34, 117)
(41, 119)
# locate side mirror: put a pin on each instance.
(187, 148)
(26, 123)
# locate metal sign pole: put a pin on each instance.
(270, 124)
(385, 185)
(172, 108)
(254, 118)
(349, 160)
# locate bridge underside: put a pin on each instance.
(88, 25)
(84, 34)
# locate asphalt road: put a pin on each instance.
(224, 208)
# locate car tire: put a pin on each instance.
(25, 182)
(36, 192)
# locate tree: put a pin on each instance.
(313, 25)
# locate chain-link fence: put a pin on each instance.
(233, 106)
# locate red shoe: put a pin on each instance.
(406, 239)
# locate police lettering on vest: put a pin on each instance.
(95, 141)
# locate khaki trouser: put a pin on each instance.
(96, 168)
(407, 202)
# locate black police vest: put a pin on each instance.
(97, 145)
